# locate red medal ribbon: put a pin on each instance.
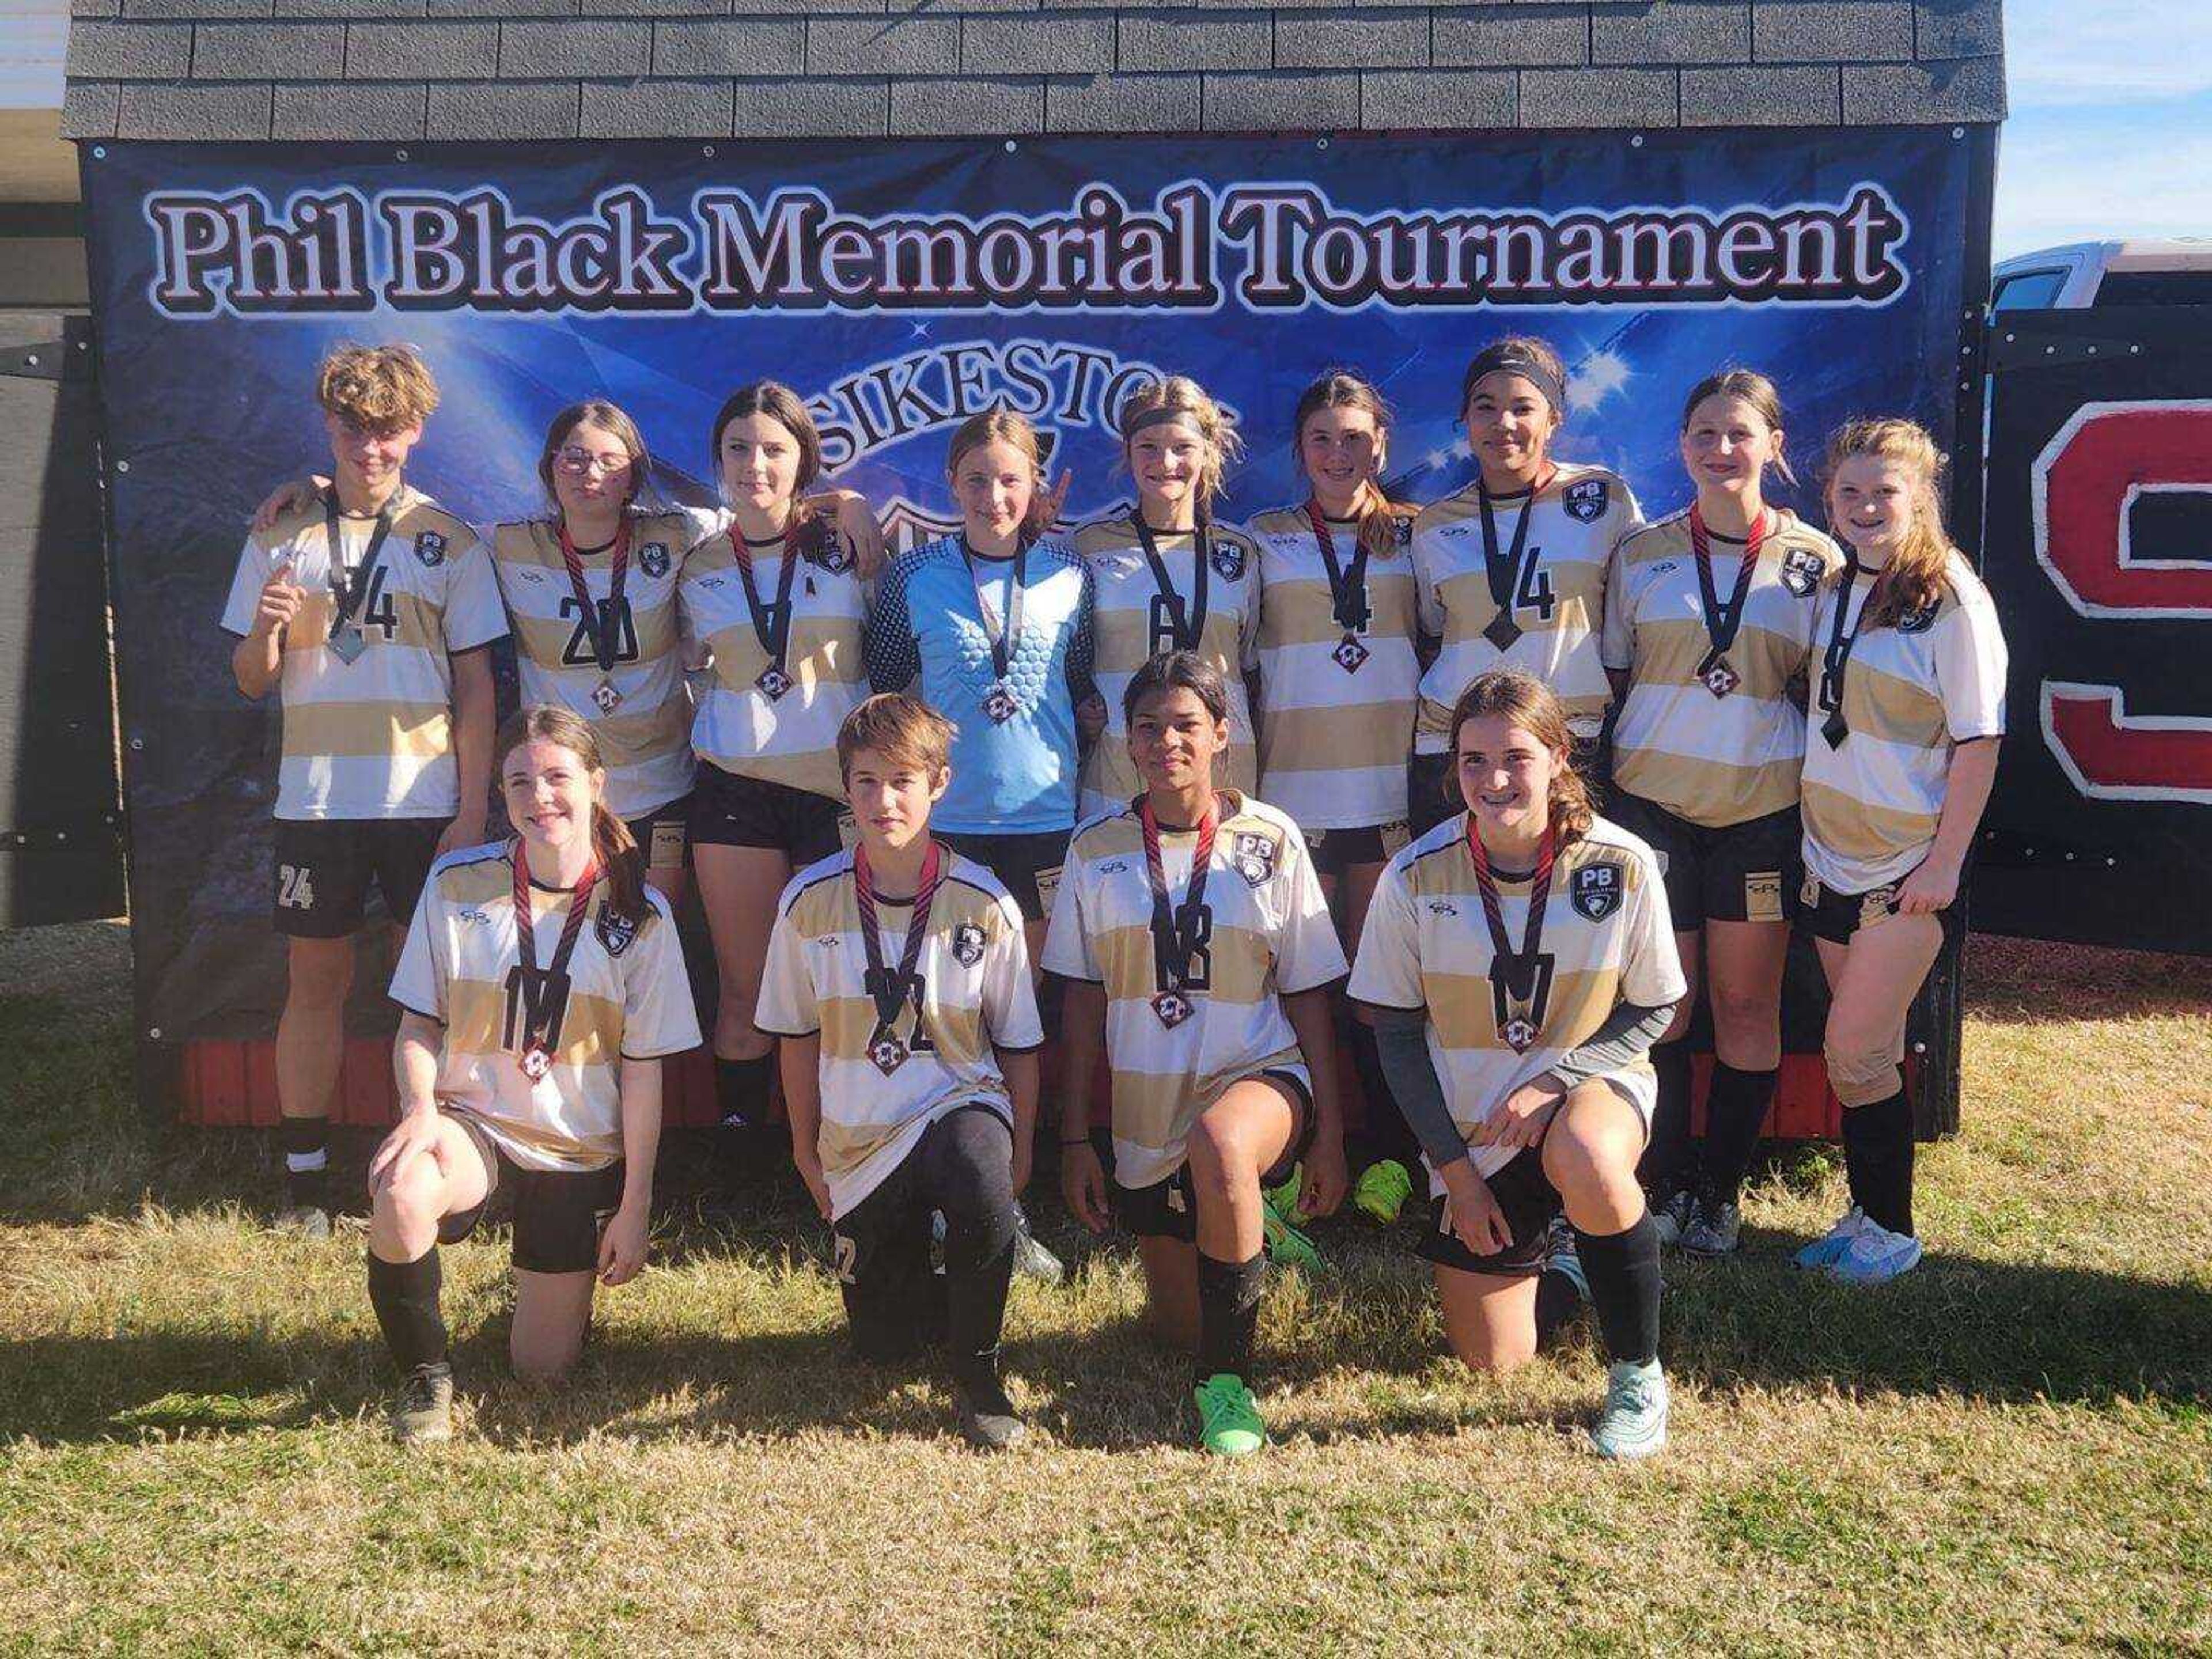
(1519, 968)
(886, 990)
(536, 1006)
(606, 642)
(1722, 621)
(1176, 930)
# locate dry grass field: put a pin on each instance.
(2008, 1451)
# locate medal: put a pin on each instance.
(1504, 570)
(545, 996)
(1836, 660)
(1178, 932)
(1722, 620)
(999, 704)
(886, 989)
(602, 626)
(1517, 978)
(349, 588)
(1186, 623)
(771, 622)
(1347, 592)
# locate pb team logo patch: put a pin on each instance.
(1917, 621)
(832, 552)
(1228, 561)
(1801, 571)
(653, 559)
(1254, 855)
(1585, 499)
(430, 548)
(1595, 892)
(967, 943)
(615, 932)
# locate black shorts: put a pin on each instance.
(661, 834)
(727, 810)
(894, 1300)
(1745, 871)
(1528, 1199)
(1029, 866)
(1836, 916)
(558, 1213)
(1166, 1210)
(1335, 851)
(1427, 805)
(324, 867)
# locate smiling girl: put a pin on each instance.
(541, 983)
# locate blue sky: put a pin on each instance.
(2111, 126)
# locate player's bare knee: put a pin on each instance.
(318, 973)
(1494, 1352)
(411, 1202)
(1745, 1019)
(1572, 1163)
(1862, 1064)
(545, 1361)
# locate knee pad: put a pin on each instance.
(1861, 1076)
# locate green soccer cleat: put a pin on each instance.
(1286, 1245)
(1634, 1421)
(1228, 1423)
(1383, 1189)
(1282, 1199)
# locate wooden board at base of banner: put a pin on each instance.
(233, 1085)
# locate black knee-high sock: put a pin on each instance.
(1878, 1154)
(1387, 1134)
(305, 1143)
(971, 1178)
(1228, 1315)
(1736, 1112)
(741, 1091)
(405, 1297)
(1670, 1163)
(1623, 1269)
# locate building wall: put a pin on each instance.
(517, 69)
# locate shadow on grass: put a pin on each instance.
(2018, 982)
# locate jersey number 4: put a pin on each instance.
(1535, 590)
(613, 620)
(378, 607)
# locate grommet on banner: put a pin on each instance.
(100, 152)
(123, 466)
(1011, 147)
(1321, 143)
(399, 154)
(707, 150)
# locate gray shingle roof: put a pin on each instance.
(510, 69)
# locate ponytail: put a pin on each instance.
(620, 866)
(613, 848)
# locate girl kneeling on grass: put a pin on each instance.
(1907, 710)
(1197, 946)
(1520, 962)
(542, 982)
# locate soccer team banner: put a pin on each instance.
(901, 288)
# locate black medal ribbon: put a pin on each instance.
(1347, 583)
(771, 623)
(543, 992)
(886, 989)
(1837, 657)
(1175, 928)
(348, 588)
(1006, 640)
(1518, 968)
(1504, 569)
(1187, 622)
(1723, 619)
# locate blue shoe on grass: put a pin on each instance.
(1828, 1249)
(1634, 1421)
(1876, 1256)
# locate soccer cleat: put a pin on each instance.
(1714, 1225)
(308, 1220)
(1282, 1199)
(1228, 1423)
(1032, 1259)
(1633, 1423)
(1383, 1189)
(1828, 1249)
(1670, 1216)
(1286, 1245)
(1875, 1255)
(988, 1421)
(423, 1414)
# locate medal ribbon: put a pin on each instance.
(1722, 621)
(1175, 931)
(1837, 657)
(525, 942)
(349, 587)
(771, 625)
(886, 990)
(604, 642)
(1520, 969)
(1006, 641)
(1189, 624)
(1506, 576)
(1347, 588)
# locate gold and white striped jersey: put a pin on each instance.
(373, 738)
(1335, 723)
(974, 996)
(1911, 692)
(1130, 627)
(1715, 761)
(1558, 602)
(1606, 940)
(791, 740)
(646, 737)
(628, 998)
(1266, 931)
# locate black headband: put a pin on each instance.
(1515, 360)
